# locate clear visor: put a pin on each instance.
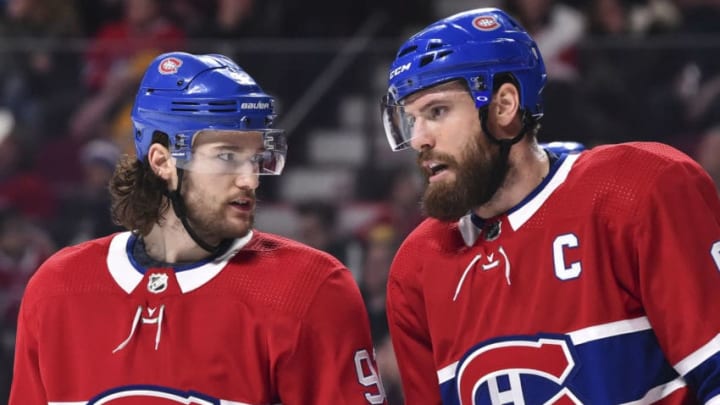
(236, 152)
(398, 125)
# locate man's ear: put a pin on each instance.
(506, 104)
(162, 164)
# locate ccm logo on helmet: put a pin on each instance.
(400, 69)
(169, 66)
(486, 23)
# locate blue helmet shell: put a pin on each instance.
(473, 46)
(182, 93)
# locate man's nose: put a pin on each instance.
(421, 136)
(247, 180)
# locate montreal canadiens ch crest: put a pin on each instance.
(151, 395)
(519, 370)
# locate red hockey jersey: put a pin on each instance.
(601, 287)
(270, 321)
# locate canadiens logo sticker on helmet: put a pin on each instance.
(169, 66)
(486, 23)
(157, 283)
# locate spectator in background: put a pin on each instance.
(144, 27)
(234, 18)
(558, 29)
(317, 226)
(23, 247)
(40, 80)
(114, 64)
(402, 207)
(608, 18)
(84, 213)
(20, 185)
(380, 244)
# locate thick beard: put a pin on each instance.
(478, 177)
(206, 218)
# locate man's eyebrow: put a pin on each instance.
(226, 146)
(238, 148)
(434, 101)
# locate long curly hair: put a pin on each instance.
(138, 199)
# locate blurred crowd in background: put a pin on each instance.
(619, 70)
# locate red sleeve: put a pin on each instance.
(27, 387)
(678, 236)
(410, 334)
(333, 361)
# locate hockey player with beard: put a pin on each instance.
(193, 305)
(542, 277)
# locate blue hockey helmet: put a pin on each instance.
(182, 95)
(473, 46)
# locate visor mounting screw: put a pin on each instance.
(180, 82)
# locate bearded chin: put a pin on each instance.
(476, 182)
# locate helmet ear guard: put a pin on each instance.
(475, 46)
(182, 94)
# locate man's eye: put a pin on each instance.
(437, 112)
(227, 156)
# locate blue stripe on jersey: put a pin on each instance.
(705, 378)
(611, 370)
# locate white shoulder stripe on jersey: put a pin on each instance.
(519, 217)
(606, 330)
(659, 392)
(578, 337)
(67, 403)
(714, 400)
(698, 356)
(447, 373)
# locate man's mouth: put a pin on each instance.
(434, 167)
(243, 203)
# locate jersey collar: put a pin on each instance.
(471, 225)
(128, 274)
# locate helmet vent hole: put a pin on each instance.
(407, 50)
(444, 53)
(184, 106)
(222, 106)
(427, 59)
(434, 44)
